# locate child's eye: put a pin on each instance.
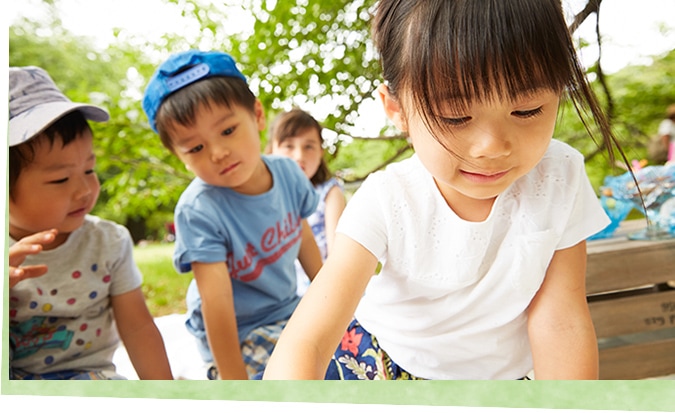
(456, 121)
(527, 113)
(59, 181)
(227, 131)
(89, 171)
(196, 149)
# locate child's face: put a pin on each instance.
(56, 190)
(304, 148)
(222, 147)
(495, 144)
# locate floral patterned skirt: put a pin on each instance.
(359, 357)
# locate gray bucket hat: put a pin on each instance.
(35, 102)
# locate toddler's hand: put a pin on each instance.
(18, 252)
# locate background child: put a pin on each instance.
(481, 233)
(72, 276)
(297, 135)
(240, 224)
(667, 132)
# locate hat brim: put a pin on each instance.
(31, 123)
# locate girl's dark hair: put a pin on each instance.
(432, 51)
(66, 129)
(180, 107)
(292, 123)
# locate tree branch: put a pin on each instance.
(383, 164)
(593, 6)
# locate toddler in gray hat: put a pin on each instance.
(75, 289)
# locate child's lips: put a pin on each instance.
(78, 212)
(484, 177)
(229, 168)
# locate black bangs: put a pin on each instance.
(481, 50)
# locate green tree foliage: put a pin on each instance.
(305, 53)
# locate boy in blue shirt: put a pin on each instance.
(240, 224)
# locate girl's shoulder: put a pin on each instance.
(558, 150)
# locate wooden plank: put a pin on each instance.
(619, 263)
(638, 361)
(628, 315)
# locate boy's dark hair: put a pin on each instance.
(181, 106)
(66, 129)
(292, 123)
(478, 50)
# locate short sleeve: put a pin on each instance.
(197, 239)
(587, 216)
(363, 218)
(127, 276)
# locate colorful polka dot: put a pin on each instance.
(13, 299)
(84, 327)
(79, 342)
(47, 308)
(54, 291)
(33, 305)
(71, 301)
(76, 274)
(88, 345)
(98, 332)
(49, 360)
(12, 313)
(39, 291)
(94, 267)
(93, 294)
(107, 278)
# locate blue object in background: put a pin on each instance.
(617, 210)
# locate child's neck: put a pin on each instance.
(476, 211)
(466, 208)
(60, 239)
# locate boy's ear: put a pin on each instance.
(392, 108)
(259, 113)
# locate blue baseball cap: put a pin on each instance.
(182, 69)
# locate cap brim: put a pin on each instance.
(30, 123)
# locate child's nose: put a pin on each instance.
(297, 154)
(219, 151)
(84, 188)
(490, 144)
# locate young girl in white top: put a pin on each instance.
(481, 234)
(297, 135)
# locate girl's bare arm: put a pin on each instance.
(562, 336)
(335, 204)
(309, 254)
(320, 320)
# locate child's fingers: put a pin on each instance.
(42, 237)
(31, 244)
(19, 251)
(19, 274)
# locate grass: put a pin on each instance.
(164, 288)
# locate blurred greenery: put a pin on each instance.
(163, 287)
(296, 52)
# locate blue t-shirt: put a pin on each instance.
(258, 236)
